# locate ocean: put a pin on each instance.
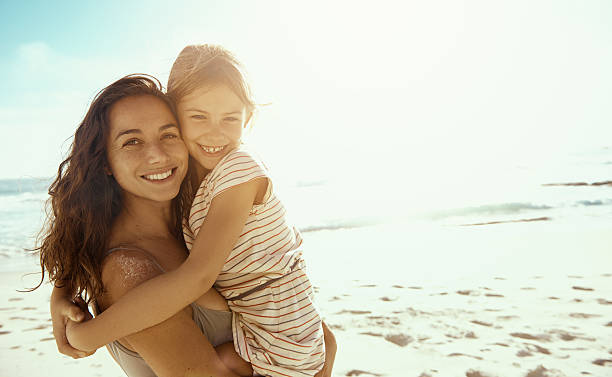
(574, 188)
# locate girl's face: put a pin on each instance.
(145, 152)
(212, 119)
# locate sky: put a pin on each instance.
(451, 87)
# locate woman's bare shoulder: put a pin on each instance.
(125, 268)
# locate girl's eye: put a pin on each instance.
(231, 119)
(131, 142)
(198, 117)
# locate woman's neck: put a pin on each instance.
(143, 219)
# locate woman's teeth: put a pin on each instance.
(160, 176)
(211, 149)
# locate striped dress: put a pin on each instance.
(278, 328)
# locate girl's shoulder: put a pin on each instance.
(239, 166)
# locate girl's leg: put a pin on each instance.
(232, 360)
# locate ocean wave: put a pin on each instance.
(349, 224)
(489, 209)
(14, 187)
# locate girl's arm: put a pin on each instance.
(175, 347)
(160, 298)
(62, 309)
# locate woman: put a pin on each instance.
(117, 222)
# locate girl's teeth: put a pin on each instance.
(157, 177)
(211, 149)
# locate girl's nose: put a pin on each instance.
(156, 154)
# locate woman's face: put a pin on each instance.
(145, 152)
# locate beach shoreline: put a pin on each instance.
(426, 318)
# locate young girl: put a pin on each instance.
(236, 231)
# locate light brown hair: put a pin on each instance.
(208, 65)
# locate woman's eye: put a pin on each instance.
(231, 119)
(198, 117)
(170, 136)
(131, 142)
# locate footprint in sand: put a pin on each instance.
(4, 332)
(476, 373)
(387, 299)
(11, 308)
(481, 323)
(493, 295)
(468, 292)
(15, 347)
(540, 371)
(28, 308)
(582, 288)
(602, 362)
(527, 289)
(522, 335)
(604, 301)
(609, 324)
(354, 312)
(532, 348)
(553, 298)
(357, 372)
(398, 286)
(584, 315)
(46, 339)
(455, 354)
(371, 334)
(401, 340)
(16, 299)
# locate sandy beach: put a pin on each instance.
(516, 300)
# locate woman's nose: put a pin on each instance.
(156, 154)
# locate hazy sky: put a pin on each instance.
(425, 82)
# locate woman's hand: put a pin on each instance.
(64, 310)
(330, 352)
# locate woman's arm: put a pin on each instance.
(158, 299)
(62, 309)
(174, 347)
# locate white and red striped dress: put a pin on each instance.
(277, 329)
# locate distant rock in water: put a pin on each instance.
(603, 183)
(509, 221)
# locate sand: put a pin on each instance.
(512, 299)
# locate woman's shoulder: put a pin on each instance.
(125, 267)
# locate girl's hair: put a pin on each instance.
(200, 66)
(204, 66)
(84, 200)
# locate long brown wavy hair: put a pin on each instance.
(84, 200)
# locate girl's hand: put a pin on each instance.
(63, 310)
